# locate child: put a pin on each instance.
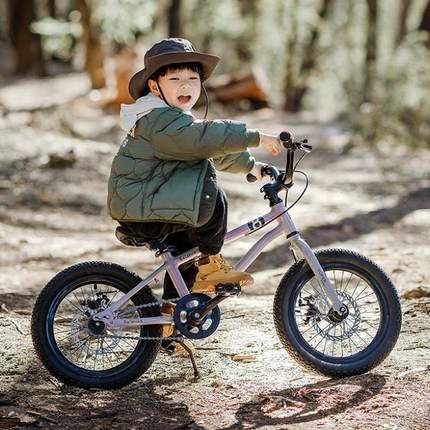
(163, 183)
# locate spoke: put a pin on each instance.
(346, 337)
(81, 347)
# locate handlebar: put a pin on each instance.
(287, 141)
(285, 138)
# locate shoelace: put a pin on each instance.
(223, 265)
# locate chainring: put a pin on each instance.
(182, 316)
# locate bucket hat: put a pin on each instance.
(165, 52)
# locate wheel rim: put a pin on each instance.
(340, 339)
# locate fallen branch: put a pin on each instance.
(42, 417)
(280, 400)
(16, 325)
(407, 372)
(140, 384)
(7, 399)
(183, 426)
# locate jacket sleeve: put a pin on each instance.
(179, 136)
(239, 162)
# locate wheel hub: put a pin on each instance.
(337, 317)
(96, 327)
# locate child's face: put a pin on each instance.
(181, 88)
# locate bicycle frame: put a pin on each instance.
(286, 226)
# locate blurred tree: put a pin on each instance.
(26, 44)
(401, 31)
(371, 41)
(250, 14)
(52, 9)
(175, 28)
(94, 53)
(425, 22)
(301, 61)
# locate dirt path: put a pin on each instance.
(375, 203)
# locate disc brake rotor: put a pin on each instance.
(336, 331)
(82, 332)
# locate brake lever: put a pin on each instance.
(304, 146)
(266, 170)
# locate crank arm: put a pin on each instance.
(197, 315)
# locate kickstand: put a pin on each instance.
(191, 354)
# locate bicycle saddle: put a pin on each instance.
(129, 238)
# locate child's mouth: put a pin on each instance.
(184, 99)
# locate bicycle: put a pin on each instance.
(98, 325)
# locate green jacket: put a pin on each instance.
(165, 169)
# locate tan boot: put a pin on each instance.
(214, 270)
(173, 347)
(167, 309)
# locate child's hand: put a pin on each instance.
(256, 170)
(271, 142)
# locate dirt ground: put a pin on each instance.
(53, 171)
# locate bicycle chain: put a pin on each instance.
(146, 305)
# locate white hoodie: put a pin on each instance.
(130, 114)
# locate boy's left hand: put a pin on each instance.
(271, 142)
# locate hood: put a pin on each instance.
(130, 114)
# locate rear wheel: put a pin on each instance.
(321, 340)
(82, 352)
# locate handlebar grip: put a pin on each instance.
(285, 138)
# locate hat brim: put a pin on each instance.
(138, 85)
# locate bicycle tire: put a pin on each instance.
(61, 320)
(330, 347)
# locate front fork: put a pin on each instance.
(320, 282)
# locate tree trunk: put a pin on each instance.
(297, 78)
(401, 31)
(94, 52)
(27, 45)
(370, 66)
(52, 9)
(425, 23)
(175, 27)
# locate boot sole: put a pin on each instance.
(209, 286)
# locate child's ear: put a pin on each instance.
(153, 87)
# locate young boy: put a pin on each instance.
(163, 182)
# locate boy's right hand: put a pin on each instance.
(271, 142)
(256, 170)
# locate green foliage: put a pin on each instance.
(399, 111)
(58, 36)
(122, 20)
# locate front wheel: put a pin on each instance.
(317, 337)
(82, 352)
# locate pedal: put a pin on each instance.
(229, 289)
